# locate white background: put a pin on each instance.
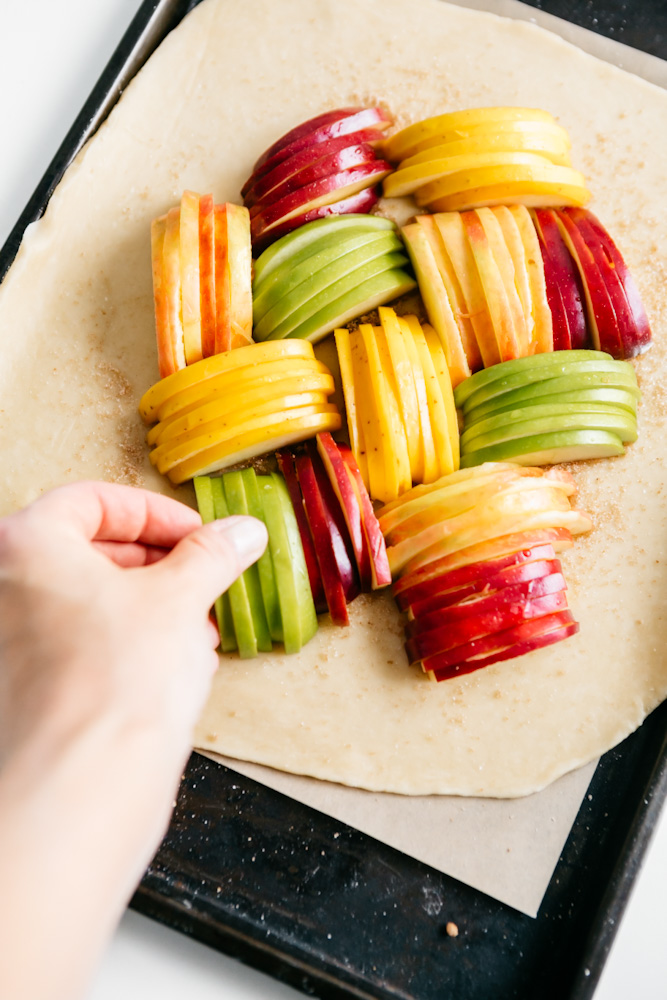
(51, 54)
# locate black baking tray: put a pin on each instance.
(324, 907)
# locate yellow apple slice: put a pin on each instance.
(542, 138)
(254, 354)
(369, 417)
(425, 174)
(172, 284)
(350, 393)
(508, 276)
(404, 143)
(400, 447)
(436, 404)
(223, 302)
(406, 392)
(503, 130)
(166, 355)
(389, 439)
(431, 468)
(493, 286)
(527, 184)
(251, 443)
(543, 336)
(454, 292)
(517, 251)
(189, 263)
(442, 375)
(455, 240)
(207, 274)
(239, 260)
(165, 458)
(434, 293)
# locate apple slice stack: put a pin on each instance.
(482, 280)
(344, 548)
(202, 271)
(579, 254)
(232, 407)
(271, 601)
(484, 156)
(549, 408)
(474, 554)
(400, 407)
(326, 273)
(325, 166)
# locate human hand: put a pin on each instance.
(107, 651)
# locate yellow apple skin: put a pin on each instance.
(447, 393)
(354, 427)
(516, 170)
(494, 288)
(239, 258)
(430, 458)
(406, 393)
(542, 138)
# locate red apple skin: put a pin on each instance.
(637, 334)
(506, 645)
(355, 148)
(288, 469)
(342, 543)
(563, 274)
(348, 500)
(374, 539)
(440, 640)
(359, 203)
(486, 604)
(561, 327)
(329, 125)
(504, 551)
(323, 529)
(207, 273)
(518, 573)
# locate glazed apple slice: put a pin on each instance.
(513, 642)
(207, 274)
(288, 469)
(357, 204)
(166, 354)
(381, 574)
(348, 501)
(563, 276)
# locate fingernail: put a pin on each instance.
(247, 535)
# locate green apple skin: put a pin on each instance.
(303, 266)
(549, 449)
(235, 496)
(300, 239)
(238, 595)
(267, 578)
(608, 389)
(223, 611)
(328, 283)
(545, 417)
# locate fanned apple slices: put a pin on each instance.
(238, 405)
(475, 557)
(201, 281)
(549, 408)
(484, 156)
(400, 406)
(325, 274)
(325, 166)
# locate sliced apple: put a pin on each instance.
(223, 291)
(266, 573)
(206, 506)
(348, 499)
(374, 541)
(494, 287)
(207, 274)
(350, 392)
(190, 283)
(288, 468)
(166, 353)
(445, 383)
(542, 333)
(406, 393)
(431, 466)
(239, 603)
(541, 137)
(574, 445)
(563, 282)
(172, 285)
(239, 262)
(356, 204)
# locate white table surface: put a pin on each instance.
(51, 54)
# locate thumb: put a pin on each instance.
(206, 562)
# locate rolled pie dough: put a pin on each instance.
(78, 350)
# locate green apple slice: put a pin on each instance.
(267, 578)
(304, 266)
(238, 597)
(496, 388)
(236, 504)
(549, 449)
(223, 612)
(618, 388)
(323, 284)
(296, 599)
(538, 420)
(304, 236)
(521, 366)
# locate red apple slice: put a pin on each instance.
(310, 164)
(207, 274)
(486, 606)
(635, 329)
(437, 641)
(171, 262)
(223, 305)
(345, 558)
(288, 469)
(519, 573)
(329, 125)
(166, 355)
(506, 645)
(359, 203)
(560, 324)
(565, 277)
(348, 500)
(381, 574)
(189, 258)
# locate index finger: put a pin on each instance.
(112, 512)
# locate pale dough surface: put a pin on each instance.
(78, 350)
